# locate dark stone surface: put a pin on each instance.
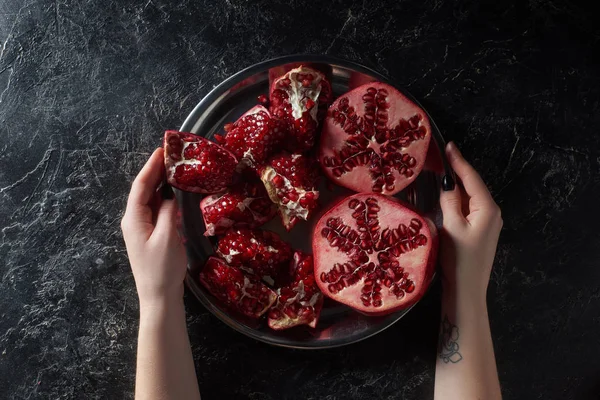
(87, 87)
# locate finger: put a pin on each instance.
(474, 186)
(145, 184)
(166, 221)
(451, 204)
(137, 224)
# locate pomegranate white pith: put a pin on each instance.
(374, 254)
(374, 139)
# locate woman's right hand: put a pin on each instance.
(472, 224)
(155, 251)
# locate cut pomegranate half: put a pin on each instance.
(374, 254)
(246, 204)
(256, 251)
(254, 137)
(374, 139)
(195, 164)
(239, 292)
(290, 180)
(299, 99)
(300, 302)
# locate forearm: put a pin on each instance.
(466, 366)
(165, 367)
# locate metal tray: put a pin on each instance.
(338, 325)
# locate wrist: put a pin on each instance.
(159, 303)
(457, 295)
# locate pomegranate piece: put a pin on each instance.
(300, 302)
(254, 137)
(195, 164)
(256, 251)
(290, 180)
(246, 204)
(299, 99)
(374, 254)
(239, 292)
(374, 139)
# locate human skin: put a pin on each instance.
(165, 367)
(466, 366)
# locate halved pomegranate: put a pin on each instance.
(290, 180)
(246, 204)
(374, 139)
(195, 164)
(374, 254)
(300, 302)
(256, 251)
(239, 292)
(299, 99)
(254, 137)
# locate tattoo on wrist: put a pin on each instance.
(448, 342)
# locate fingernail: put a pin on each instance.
(166, 191)
(447, 183)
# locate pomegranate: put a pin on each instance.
(374, 139)
(291, 181)
(299, 99)
(239, 292)
(300, 302)
(254, 137)
(246, 204)
(374, 254)
(256, 251)
(195, 164)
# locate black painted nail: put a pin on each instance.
(448, 183)
(166, 191)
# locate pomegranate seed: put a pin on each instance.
(263, 99)
(278, 181)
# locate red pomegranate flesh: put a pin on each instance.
(246, 204)
(299, 99)
(197, 165)
(374, 139)
(374, 254)
(236, 290)
(290, 180)
(254, 137)
(300, 302)
(259, 252)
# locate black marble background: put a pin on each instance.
(88, 87)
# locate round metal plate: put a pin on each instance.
(338, 325)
